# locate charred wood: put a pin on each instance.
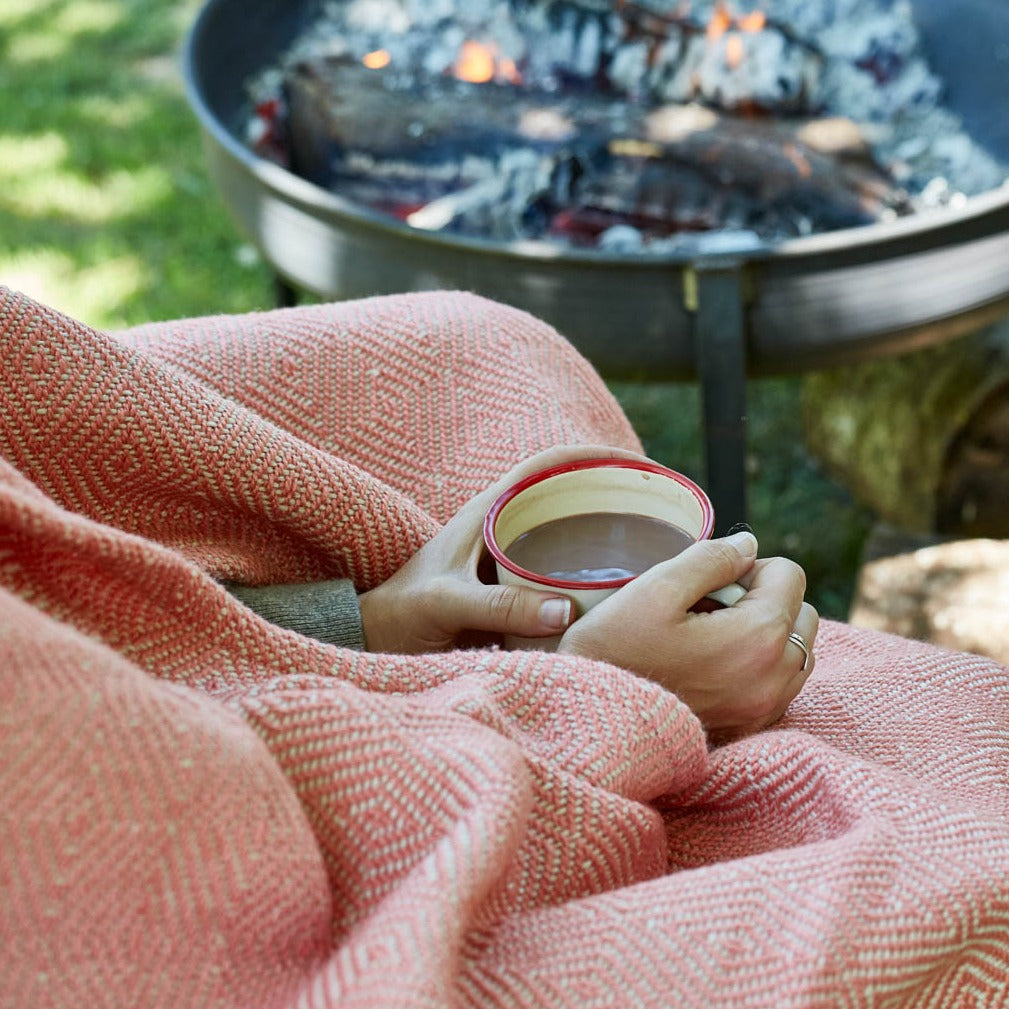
(349, 132)
(741, 173)
(458, 156)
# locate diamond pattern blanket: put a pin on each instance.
(198, 808)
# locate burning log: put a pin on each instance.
(451, 146)
(694, 170)
(505, 161)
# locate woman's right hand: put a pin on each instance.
(735, 667)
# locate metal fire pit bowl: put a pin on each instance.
(715, 312)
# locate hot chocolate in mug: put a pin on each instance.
(585, 528)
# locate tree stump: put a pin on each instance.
(921, 439)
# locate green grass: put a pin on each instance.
(107, 213)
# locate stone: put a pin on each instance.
(954, 594)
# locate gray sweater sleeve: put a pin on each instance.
(327, 611)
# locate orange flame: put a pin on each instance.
(735, 51)
(377, 59)
(753, 22)
(721, 21)
(475, 63)
(479, 64)
(507, 70)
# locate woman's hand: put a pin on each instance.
(735, 667)
(437, 597)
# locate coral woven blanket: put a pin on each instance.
(199, 809)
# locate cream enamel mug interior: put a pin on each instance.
(594, 485)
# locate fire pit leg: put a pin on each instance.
(284, 294)
(714, 293)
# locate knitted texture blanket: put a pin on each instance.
(199, 809)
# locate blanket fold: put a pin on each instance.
(203, 809)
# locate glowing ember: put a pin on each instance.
(377, 59)
(799, 160)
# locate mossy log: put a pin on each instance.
(921, 439)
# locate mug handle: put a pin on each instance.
(729, 595)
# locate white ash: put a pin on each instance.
(859, 59)
(621, 238)
(774, 73)
(375, 17)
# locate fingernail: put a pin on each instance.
(744, 542)
(555, 613)
(739, 527)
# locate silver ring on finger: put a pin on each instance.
(797, 639)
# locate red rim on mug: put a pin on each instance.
(705, 514)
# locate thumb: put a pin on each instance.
(705, 567)
(509, 609)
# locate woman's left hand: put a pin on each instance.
(437, 597)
